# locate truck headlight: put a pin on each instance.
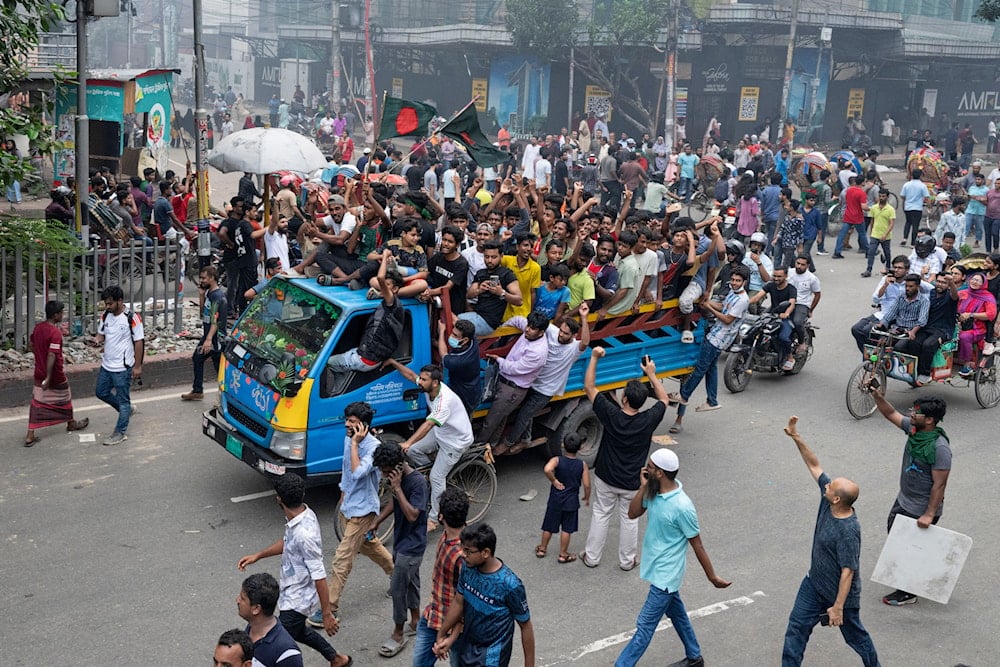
(289, 445)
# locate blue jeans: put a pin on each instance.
(113, 389)
(804, 617)
(349, 361)
(770, 226)
(659, 603)
(14, 192)
(785, 338)
(483, 327)
(873, 246)
(423, 656)
(685, 188)
(973, 223)
(705, 368)
(862, 236)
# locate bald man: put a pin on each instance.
(831, 593)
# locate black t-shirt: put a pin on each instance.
(243, 251)
(560, 172)
(428, 237)
(463, 374)
(457, 271)
(410, 539)
(778, 295)
(490, 306)
(625, 442)
(415, 177)
(942, 313)
(836, 545)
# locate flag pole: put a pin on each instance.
(417, 145)
(457, 114)
(378, 126)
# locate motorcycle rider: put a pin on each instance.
(781, 292)
(735, 252)
(807, 291)
(926, 260)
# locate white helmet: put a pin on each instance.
(758, 237)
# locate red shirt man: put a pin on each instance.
(854, 199)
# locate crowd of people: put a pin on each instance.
(540, 244)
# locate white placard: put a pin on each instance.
(925, 562)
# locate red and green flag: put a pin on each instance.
(464, 128)
(402, 118)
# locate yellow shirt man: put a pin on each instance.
(529, 277)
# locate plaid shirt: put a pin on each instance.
(447, 566)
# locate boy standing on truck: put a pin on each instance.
(383, 331)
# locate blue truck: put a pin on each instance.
(281, 409)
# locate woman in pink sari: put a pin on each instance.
(977, 307)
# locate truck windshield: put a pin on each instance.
(284, 329)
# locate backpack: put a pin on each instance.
(131, 326)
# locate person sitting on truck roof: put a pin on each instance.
(518, 370)
(383, 331)
(447, 430)
(494, 287)
(409, 258)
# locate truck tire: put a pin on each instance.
(582, 420)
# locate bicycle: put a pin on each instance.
(474, 474)
(881, 361)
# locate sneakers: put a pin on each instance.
(821, 251)
(316, 618)
(788, 365)
(923, 379)
(866, 274)
(586, 561)
(115, 438)
(966, 371)
(689, 662)
(192, 396)
(356, 284)
(899, 598)
(903, 242)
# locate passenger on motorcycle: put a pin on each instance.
(734, 258)
(781, 292)
(807, 296)
(760, 265)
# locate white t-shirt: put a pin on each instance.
(346, 224)
(448, 183)
(119, 341)
(476, 262)
(276, 245)
(806, 284)
(543, 173)
(452, 426)
(888, 125)
(551, 381)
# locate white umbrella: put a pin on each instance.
(261, 150)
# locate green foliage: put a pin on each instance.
(37, 236)
(21, 23)
(989, 11)
(613, 46)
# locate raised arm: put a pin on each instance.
(590, 377)
(810, 459)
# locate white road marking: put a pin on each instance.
(88, 437)
(252, 496)
(623, 637)
(171, 395)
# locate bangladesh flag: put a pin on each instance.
(464, 129)
(401, 118)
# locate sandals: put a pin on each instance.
(372, 295)
(687, 337)
(707, 407)
(676, 428)
(390, 648)
(540, 552)
(675, 397)
(32, 441)
(566, 558)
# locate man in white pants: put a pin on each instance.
(447, 431)
(620, 459)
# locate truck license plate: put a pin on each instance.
(234, 446)
(272, 468)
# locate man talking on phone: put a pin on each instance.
(830, 593)
(359, 504)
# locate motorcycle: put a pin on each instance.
(756, 350)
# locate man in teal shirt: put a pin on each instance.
(687, 161)
(673, 524)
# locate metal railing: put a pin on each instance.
(151, 276)
(55, 49)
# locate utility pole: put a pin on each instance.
(334, 82)
(82, 126)
(671, 75)
(572, 67)
(201, 141)
(787, 85)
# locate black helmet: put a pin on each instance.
(924, 245)
(736, 247)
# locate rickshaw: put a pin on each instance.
(708, 171)
(881, 361)
(934, 173)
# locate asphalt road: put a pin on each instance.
(128, 554)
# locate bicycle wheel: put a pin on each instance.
(478, 480)
(859, 396)
(987, 389)
(699, 207)
(894, 200)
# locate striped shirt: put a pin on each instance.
(906, 313)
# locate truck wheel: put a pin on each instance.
(478, 481)
(584, 421)
(735, 375)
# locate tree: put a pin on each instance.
(613, 48)
(21, 25)
(988, 11)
